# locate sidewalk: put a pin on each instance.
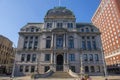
(29, 78)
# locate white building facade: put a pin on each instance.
(59, 44)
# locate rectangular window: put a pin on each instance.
(86, 69)
(91, 57)
(83, 45)
(96, 57)
(49, 25)
(59, 25)
(28, 57)
(33, 57)
(88, 45)
(25, 45)
(98, 68)
(26, 68)
(94, 45)
(23, 57)
(70, 25)
(85, 57)
(32, 68)
(47, 57)
(71, 43)
(21, 68)
(35, 44)
(71, 57)
(32, 29)
(30, 44)
(48, 43)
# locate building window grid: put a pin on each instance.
(71, 57)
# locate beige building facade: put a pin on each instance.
(59, 44)
(6, 55)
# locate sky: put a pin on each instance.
(14, 14)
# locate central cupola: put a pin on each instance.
(60, 12)
(59, 17)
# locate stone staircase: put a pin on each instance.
(60, 74)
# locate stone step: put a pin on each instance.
(60, 74)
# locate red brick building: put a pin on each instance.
(107, 19)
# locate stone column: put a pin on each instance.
(52, 41)
(64, 58)
(51, 58)
(54, 58)
(64, 41)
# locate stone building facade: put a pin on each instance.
(59, 44)
(6, 55)
(107, 19)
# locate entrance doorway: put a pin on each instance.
(59, 66)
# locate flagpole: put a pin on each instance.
(59, 3)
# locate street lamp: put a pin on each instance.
(104, 64)
(13, 70)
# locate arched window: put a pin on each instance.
(48, 42)
(71, 42)
(59, 41)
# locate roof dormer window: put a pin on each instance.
(49, 25)
(70, 25)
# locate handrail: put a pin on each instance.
(48, 73)
(73, 74)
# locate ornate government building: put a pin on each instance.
(59, 44)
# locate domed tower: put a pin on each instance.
(59, 17)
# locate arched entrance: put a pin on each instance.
(59, 60)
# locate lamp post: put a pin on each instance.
(81, 66)
(104, 64)
(13, 70)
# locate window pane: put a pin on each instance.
(71, 57)
(21, 68)
(83, 45)
(94, 45)
(71, 42)
(49, 25)
(48, 43)
(70, 25)
(86, 69)
(32, 68)
(28, 57)
(59, 25)
(85, 57)
(34, 57)
(89, 45)
(96, 57)
(92, 69)
(91, 57)
(26, 68)
(23, 57)
(59, 42)
(47, 57)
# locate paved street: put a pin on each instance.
(93, 78)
